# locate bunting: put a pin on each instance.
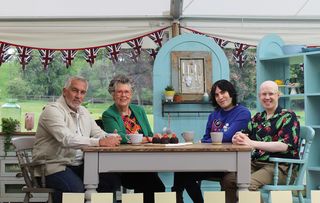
(153, 53)
(4, 56)
(90, 55)
(68, 56)
(221, 42)
(136, 45)
(240, 48)
(240, 59)
(157, 37)
(24, 56)
(239, 55)
(113, 52)
(46, 57)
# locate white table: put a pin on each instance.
(158, 158)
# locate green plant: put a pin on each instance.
(169, 88)
(9, 126)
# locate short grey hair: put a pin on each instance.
(122, 79)
(72, 78)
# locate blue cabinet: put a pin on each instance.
(273, 64)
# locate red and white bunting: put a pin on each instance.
(198, 33)
(113, 52)
(90, 55)
(221, 42)
(46, 57)
(68, 56)
(157, 37)
(4, 55)
(238, 53)
(241, 59)
(24, 56)
(136, 45)
(153, 53)
(239, 48)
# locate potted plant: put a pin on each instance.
(9, 126)
(177, 97)
(169, 93)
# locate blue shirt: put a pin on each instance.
(228, 122)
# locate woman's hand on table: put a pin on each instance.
(146, 139)
(110, 141)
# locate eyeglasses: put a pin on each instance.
(120, 92)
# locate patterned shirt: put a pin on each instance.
(283, 126)
(131, 124)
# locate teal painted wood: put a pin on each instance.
(162, 78)
(272, 64)
(306, 138)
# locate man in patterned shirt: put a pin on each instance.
(271, 133)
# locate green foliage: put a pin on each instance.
(9, 126)
(169, 88)
(17, 86)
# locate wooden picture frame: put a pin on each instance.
(191, 73)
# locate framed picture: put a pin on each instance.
(191, 73)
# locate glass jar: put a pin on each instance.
(11, 109)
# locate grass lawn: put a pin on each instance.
(36, 107)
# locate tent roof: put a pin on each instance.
(147, 8)
(82, 23)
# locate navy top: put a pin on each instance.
(228, 122)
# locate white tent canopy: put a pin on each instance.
(80, 23)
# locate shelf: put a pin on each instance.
(185, 102)
(315, 126)
(183, 108)
(293, 96)
(291, 59)
(314, 168)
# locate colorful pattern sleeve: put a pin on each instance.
(283, 126)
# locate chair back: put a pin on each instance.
(23, 147)
(305, 140)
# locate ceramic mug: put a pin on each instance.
(134, 138)
(188, 136)
(216, 137)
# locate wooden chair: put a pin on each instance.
(165, 197)
(72, 197)
(23, 147)
(305, 140)
(214, 196)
